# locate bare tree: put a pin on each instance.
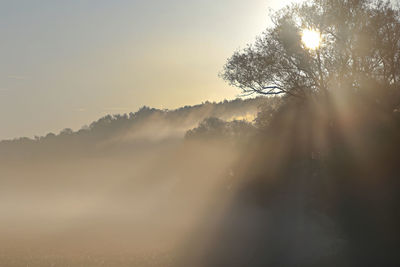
(359, 43)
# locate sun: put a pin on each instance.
(311, 38)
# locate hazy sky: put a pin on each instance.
(67, 63)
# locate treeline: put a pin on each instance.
(123, 132)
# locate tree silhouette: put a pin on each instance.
(359, 45)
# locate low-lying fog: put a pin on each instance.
(131, 194)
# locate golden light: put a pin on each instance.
(311, 38)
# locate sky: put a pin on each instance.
(64, 64)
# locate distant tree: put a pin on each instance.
(66, 131)
(50, 136)
(359, 45)
(267, 112)
(214, 128)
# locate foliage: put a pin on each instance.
(360, 44)
(213, 128)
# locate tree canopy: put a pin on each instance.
(359, 45)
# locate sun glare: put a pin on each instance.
(311, 38)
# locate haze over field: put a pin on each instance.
(301, 170)
(128, 189)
